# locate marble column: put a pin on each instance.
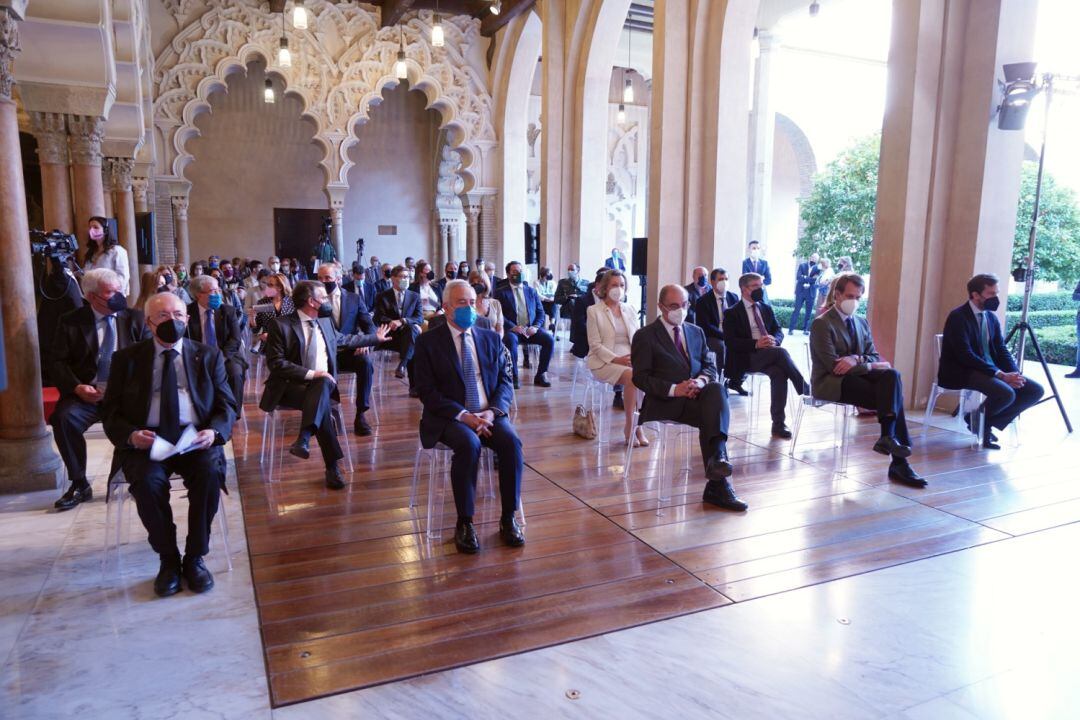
(446, 244)
(50, 130)
(107, 189)
(763, 127)
(124, 208)
(27, 459)
(335, 194)
(472, 232)
(84, 141)
(490, 244)
(180, 225)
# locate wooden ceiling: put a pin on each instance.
(394, 10)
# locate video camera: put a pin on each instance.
(54, 244)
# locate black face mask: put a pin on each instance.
(326, 310)
(330, 286)
(386, 273)
(992, 304)
(430, 275)
(117, 302)
(757, 295)
(170, 331)
(168, 279)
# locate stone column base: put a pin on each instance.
(29, 464)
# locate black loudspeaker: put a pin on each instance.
(639, 263)
(532, 244)
(144, 238)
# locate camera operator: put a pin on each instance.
(82, 350)
(103, 250)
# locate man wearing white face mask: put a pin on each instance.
(846, 368)
(709, 313)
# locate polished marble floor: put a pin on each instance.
(984, 632)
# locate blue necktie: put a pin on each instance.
(468, 369)
(210, 337)
(853, 334)
(108, 347)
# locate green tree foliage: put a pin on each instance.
(1057, 249)
(838, 217)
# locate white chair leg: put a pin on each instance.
(630, 445)
(935, 392)
(438, 469)
(223, 530)
(800, 410)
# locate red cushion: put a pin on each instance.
(49, 397)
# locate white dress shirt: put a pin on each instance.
(187, 411)
(321, 363)
(428, 299)
(468, 337)
(751, 306)
(702, 380)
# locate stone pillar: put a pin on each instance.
(124, 209)
(180, 223)
(472, 232)
(84, 141)
(949, 179)
(763, 127)
(140, 187)
(27, 459)
(446, 243)
(107, 189)
(335, 194)
(491, 245)
(50, 130)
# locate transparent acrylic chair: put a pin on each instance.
(273, 437)
(842, 413)
(673, 439)
(970, 401)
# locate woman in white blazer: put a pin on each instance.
(611, 324)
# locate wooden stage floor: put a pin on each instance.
(351, 595)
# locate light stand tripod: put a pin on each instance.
(1023, 330)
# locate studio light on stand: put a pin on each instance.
(401, 69)
(268, 92)
(299, 15)
(1018, 90)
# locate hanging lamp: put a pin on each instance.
(284, 57)
(268, 92)
(299, 15)
(621, 116)
(437, 38)
(496, 7)
(628, 85)
(400, 68)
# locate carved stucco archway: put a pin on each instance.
(341, 65)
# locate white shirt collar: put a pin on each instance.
(748, 303)
(159, 348)
(974, 308)
(841, 313)
(98, 317)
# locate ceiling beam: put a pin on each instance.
(491, 24)
(393, 10)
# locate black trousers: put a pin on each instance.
(882, 390)
(465, 465)
(543, 338)
(804, 299)
(777, 364)
(236, 370)
(717, 346)
(349, 361)
(1003, 403)
(203, 472)
(70, 420)
(313, 400)
(402, 341)
(708, 412)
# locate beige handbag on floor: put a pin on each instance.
(584, 423)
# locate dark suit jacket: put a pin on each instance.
(740, 342)
(127, 399)
(226, 326)
(381, 286)
(707, 314)
(761, 268)
(610, 263)
(830, 341)
(386, 308)
(75, 345)
(440, 382)
(355, 318)
(533, 305)
(579, 323)
(657, 365)
(806, 275)
(961, 349)
(372, 274)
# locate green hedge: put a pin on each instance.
(1043, 301)
(1058, 345)
(1042, 318)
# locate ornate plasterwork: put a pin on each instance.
(9, 47)
(341, 65)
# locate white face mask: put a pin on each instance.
(275, 267)
(676, 317)
(755, 254)
(615, 294)
(721, 287)
(849, 306)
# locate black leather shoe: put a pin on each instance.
(780, 430)
(617, 403)
(989, 444)
(738, 389)
(888, 445)
(399, 373)
(517, 385)
(718, 469)
(360, 426)
(905, 475)
(465, 538)
(1074, 374)
(334, 479)
(720, 494)
(510, 532)
(74, 496)
(300, 448)
(542, 380)
(197, 577)
(167, 581)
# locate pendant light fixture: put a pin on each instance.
(815, 8)
(628, 85)
(284, 57)
(621, 116)
(496, 7)
(268, 92)
(400, 68)
(299, 15)
(437, 38)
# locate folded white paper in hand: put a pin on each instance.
(162, 449)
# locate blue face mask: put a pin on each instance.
(214, 301)
(465, 317)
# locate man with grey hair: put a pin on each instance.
(82, 351)
(218, 324)
(674, 369)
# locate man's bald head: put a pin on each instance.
(163, 302)
(673, 294)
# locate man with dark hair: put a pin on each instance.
(523, 319)
(846, 368)
(753, 340)
(709, 313)
(754, 263)
(974, 357)
(399, 307)
(805, 292)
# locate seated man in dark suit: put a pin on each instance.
(399, 307)
(157, 387)
(753, 340)
(674, 369)
(974, 357)
(350, 317)
(463, 382)
(697, 288)
(846, 368)
(450, 272)
(524, 320)
(210, 313)
(82, 351)
(385, 281)
(709, 313)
